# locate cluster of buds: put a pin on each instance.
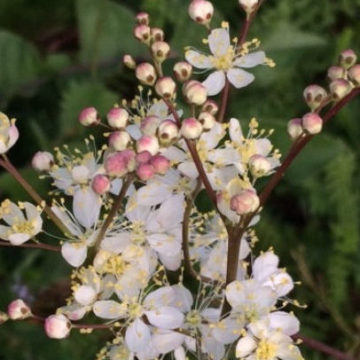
(311, 123)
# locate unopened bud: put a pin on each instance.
(3, 317)
(249, 5)
(119, 140)
(354, 74)
(149, 125)
(165, 87)
(89, 116)
(119, 163)
(117, 118)
(57, 326)
(168, 132)
(207, 120)
(201, 11)
(157, 34)
(101, 184)
(245, 203)
(339, 88)
(160, 164)
(312, 123)
(336, 72)
(195, 92)
(145, 172)
(294, 128)
(42, 161)
(148, 143)
(182, 71)
(347, 58)
(129, 62)
(146, 74)
(259, 165)
(314, 96)
(211, 107)
(142, 33)
(160, 50)
(143, 157)
(143, 18)
(191, 128)
(18, 310)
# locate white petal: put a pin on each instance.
(19, 238)
(85, 295)
(287, 323)
(153, 193)
(227, 331)
(183, 298)
(263, 147)
(13, 214)
(174, 154)
(166, 317)
(170, 213)
(137, 336)
(265, 265)
(172, 262)
(74, 253)
(213, 137)
(245, 346)
(167, 341)
(215, 82)
(198, 60)
(240, 78)
(163, 296)
(180, 354)
(188, 168)
(235, 131)
(108, 309)
(66, 220)
(86, 207)
(219, 41)
(289, 352)
(73, 312)
(116, 243)
(251, 60)
(134, 131)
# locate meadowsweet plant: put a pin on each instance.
(165, 278)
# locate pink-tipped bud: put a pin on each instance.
(42, 161)
(347, 58)
(142, 33)
(314, 96)
(168, 132)
(182, 71)
(336, 72)
(211, 107)
(129, 62)
(160, 50)
(146, 74)
(89, 116)
(249, 5)
(259, 166)
(119, 140)
(101, 184)
(57, 326)
(143, 18)
(115, 164)
(201, 11)
(143, 157)
(18, 310)
(148, 143)
(195, 92)
(207, 120)
(145, 172)
(165, 87)
(312, 123)
(157, 34)
(191, 128)
(295, 129)
(354, 74)
(117, 118)
(245, 203)
(160, 164)
(149, 125)
(340, 88)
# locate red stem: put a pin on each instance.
(32, 246)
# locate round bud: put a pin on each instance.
(195, 92)
(146, 74)
(245, 203)
(160, 164)
(149, 125)
(117, 118)
(89, 116)
(207, 120)
(336, 72)
(101, 184)
(129, 62)
(339, 88)
(312, 123)
(165, 87)
(157, 34)
(168, 132)
(294, 128)
(148, 143)
(57, 326)
(145, 172)
(18, 310)
(115, 164)
(143, 18)
(182, 71)
(314, 96)
(85, 295)
(142, 33)
(119, 140)
(42, 161)
(191, 128)
(259, 165)
(201, 11)
(143, 157)
(354, 74)
(249, 5)
(211, 107)
(347, 58)
(160, 50)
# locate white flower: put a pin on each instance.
(8, 133)
(227, 61)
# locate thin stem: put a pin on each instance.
(32, 246)
(224, 101)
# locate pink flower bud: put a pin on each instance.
(142, 33)
(191, 128)
(312, 123)
(145, 172)
(89, 116)
(314, 96)
(101, 184)
(354, 74)
(165, 87)
(160, 50)
(117, 118)
(18, 310)
(119, 140)
(211, 107)
(42, 161)
(129, 62)
(207, 120)
(182, 71)
(340, 88)
(259, 165)
(168, 132)
(195, 92)
(149, 125)
(146, 74)
(130, 159)
(157, 34)
(245, 203)
(148, 143)
(160, 164)
(201, 11)
(57, 326)
(295, 128)
(115, 164)
(347, 58)
(143, 18)
(143, 157)
(336, 72)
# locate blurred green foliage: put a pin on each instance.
(58, 57)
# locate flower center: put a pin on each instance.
(135, 310)
(115, 265)
(24, 227)
(266, 350)
(138, 235)
(193, 318)
(224, 62)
